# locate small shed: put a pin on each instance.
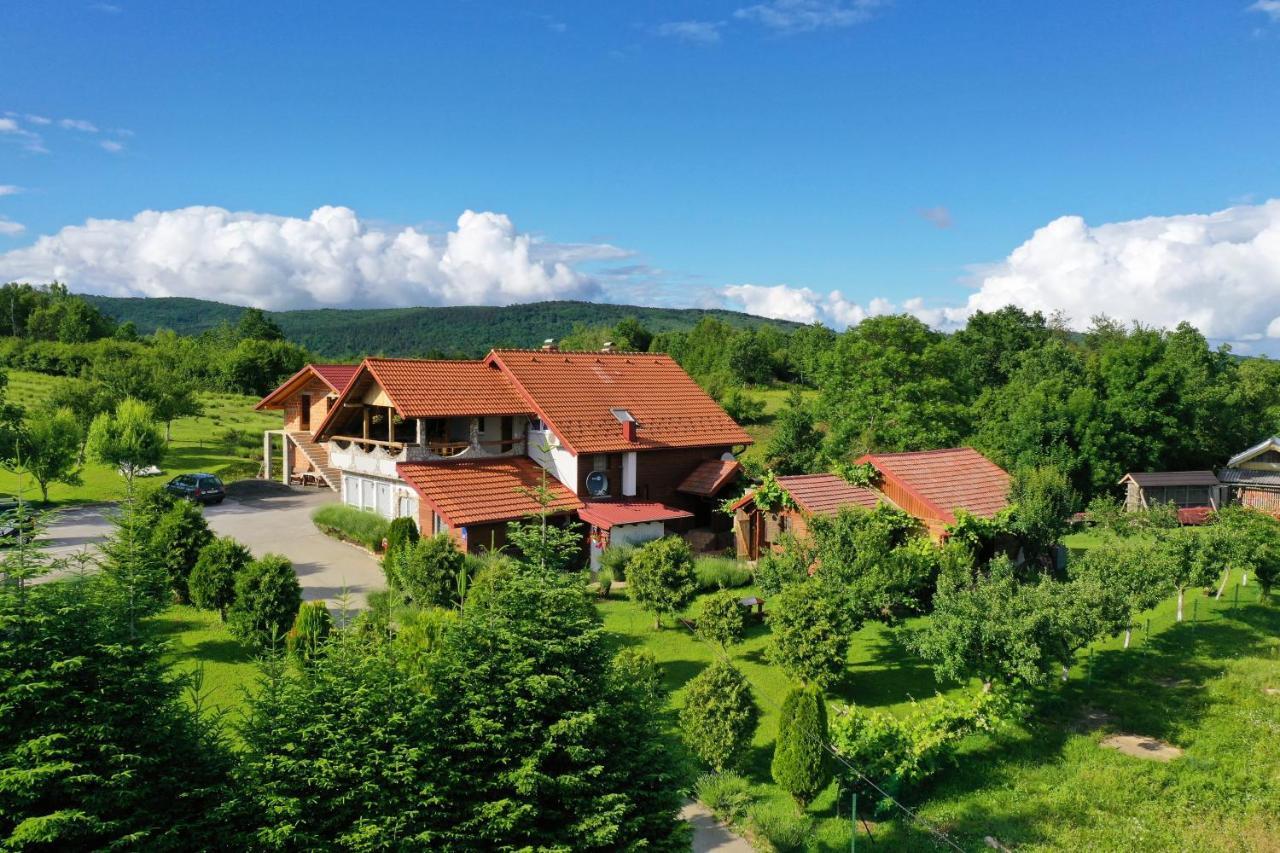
(1252, 477)
(931, 485)
(757, 531)
(1183, 489)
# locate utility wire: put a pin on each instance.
(835, 753)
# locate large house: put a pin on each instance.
(929, 485)
(626, 443)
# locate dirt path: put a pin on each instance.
(709, 835)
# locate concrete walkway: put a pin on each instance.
(268, 518)
(709, 834)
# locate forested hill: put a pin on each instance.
(462, 330)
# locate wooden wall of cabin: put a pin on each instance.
(658, 472)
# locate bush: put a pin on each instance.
(722, 619)
(267, 600)
(727, 794)
(720, 573)
(604, 580)
(310, 629)
(810, 634)
(427, 570)
(742, 407)
(719, 715)
(783, 829)
(352, 525)
(779, 569)
(401, 531)
(801, 766)
(661, 578)
(176, 541)
(213, 580)
(614, 560)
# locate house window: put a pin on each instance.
(535, 425)
(438, 524)
(600, 462)
(480, 422)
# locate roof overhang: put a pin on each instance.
(608, 514)
(1272, 443)
(275, 400)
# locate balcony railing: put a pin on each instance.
(374, 456)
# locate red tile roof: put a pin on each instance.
(437, 389)
(710, 477)
(335, 376)
(484, 490)
(826, 494)
(575, 394)
(605, 514)
(947, 480)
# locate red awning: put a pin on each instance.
(606, 514)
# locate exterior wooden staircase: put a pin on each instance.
(318, 456)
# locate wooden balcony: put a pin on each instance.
(374, 456)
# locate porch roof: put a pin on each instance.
(483, 491)
(710, 477)
(607, 514)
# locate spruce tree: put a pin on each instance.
(801, 765)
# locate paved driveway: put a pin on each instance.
(266, 517)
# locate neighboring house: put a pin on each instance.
(757, 531)
(626, 442)
(1252, 477)
(306, 398)
(1194, 493)
(932, 485)
(929, 485)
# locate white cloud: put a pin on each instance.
(38, 119)
(78, 124)
(9, 189)
(28, 139)
(9, 228)
(1219, 271)
(112, 146)
(8, 125)
(939, 216)
(330, 258)
(1270, 8)
(799, 16)
(700, 32)
(108, 8)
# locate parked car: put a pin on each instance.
(203, 488)
(14, 523)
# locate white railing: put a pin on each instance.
(379, 458)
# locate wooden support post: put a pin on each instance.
(266, 455)
(391, 424)
(365, 425)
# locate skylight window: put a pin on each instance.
(623, 416)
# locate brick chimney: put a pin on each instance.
(629, 431)
(549, 345)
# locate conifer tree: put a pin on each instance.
(801, 765)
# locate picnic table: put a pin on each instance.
(753, 601)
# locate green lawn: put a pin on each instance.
(201, 642)
(1048, 785)
(196, 445)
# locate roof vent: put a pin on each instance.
(549, 345)
(608, 347)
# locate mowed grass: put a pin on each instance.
(195, 446)
(200, 642)
(1047, 785)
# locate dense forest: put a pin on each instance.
(1025, 390)
(466, 331)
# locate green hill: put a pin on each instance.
(462, 330)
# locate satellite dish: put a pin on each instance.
(597, 484)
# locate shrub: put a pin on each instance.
(638, 669)
(267, 600)
(401, 531)
(615, 559)
(310, 629)
(810, 634)
(605, 581)
(426, 571)
(661, 578)
(801, 766)
(213, 580)
(784, 830)
(727, 794)
(742, 407)
(722, 619)
(780, 569)
(902, 751)
(176, 540)
(719, 715)
(720, 573)
(353, 525)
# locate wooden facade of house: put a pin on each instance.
(759, 531)
(1252, 477)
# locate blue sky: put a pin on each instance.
(877, 149)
